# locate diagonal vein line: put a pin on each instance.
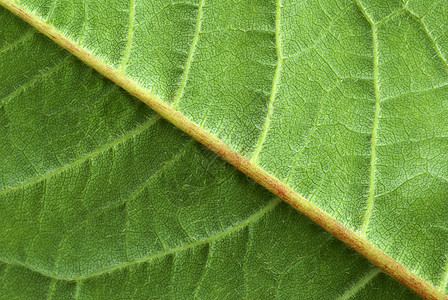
(84, 158)
(51, 289)
(278, 68)
(77, 289)
(251, 219)
(444, 279)
(31, 82)
(128, 199)
(189, 62)
(370, 199)
(204, 273)
(430, 38)
(52, 8)
(269, 181)
(130, 35)
(360, 284)
(29, 34)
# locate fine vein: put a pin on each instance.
(431, 39)
(34, 80)
(273, 184)
(278, 68)
(370, 199)
(84, 24)
(128, 199)
(84, 158)
(51, 289)
(197, 31)
(360, 284)
(444, 280)
(127, 51)
(77, 290)
(251, 219)
(53, 6)
(204, 272)
(19, 41)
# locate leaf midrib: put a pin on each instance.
(353, 240)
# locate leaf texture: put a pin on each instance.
(344, 101)
(102, 199)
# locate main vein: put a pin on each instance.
(197, 30)
(349, 237)
(370, 199)
(278, 68)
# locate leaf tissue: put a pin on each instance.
(338, 107)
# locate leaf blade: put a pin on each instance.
(250, 166)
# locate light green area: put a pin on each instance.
(102, 199)
(346, 101)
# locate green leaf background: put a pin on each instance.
(100, 198)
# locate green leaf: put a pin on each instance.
(100, 198)
(343, 101)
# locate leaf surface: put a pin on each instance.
(344, 101)
(103, 199)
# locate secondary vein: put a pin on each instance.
(360, 284)
(278, 68)
(147, 124)
(53, 6)
(34, 80)
(270, 206)
(336, 228)
(29, 34)
(130, 35)
(189, 62)
(430, 38)
(373, 141)
(444, 280)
